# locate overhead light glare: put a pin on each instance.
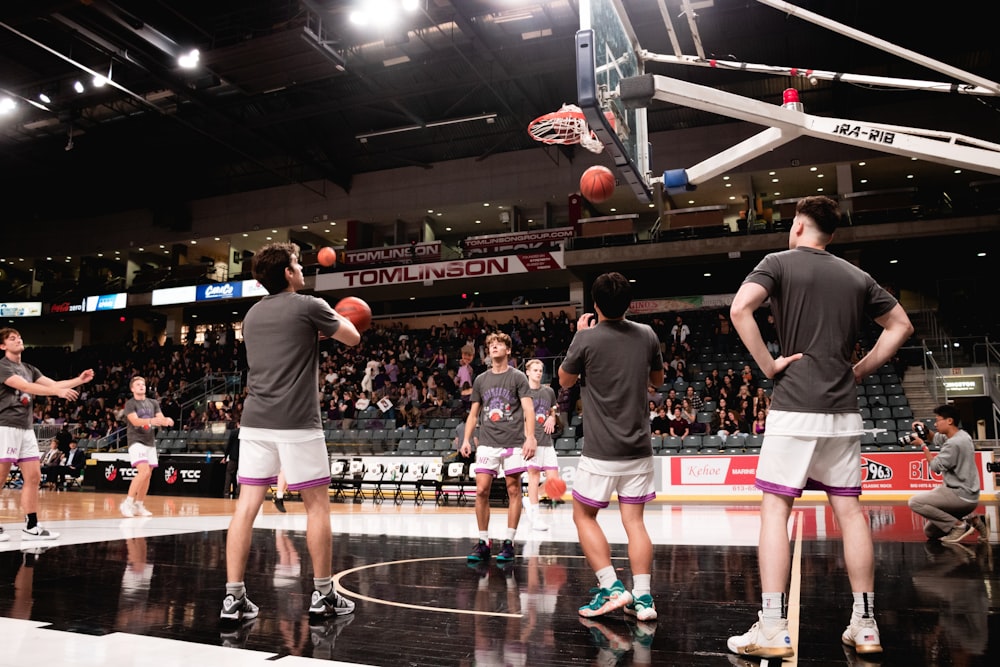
(78, 87)
(189, 60)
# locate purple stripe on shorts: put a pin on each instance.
(257, 481)
(637, 500)
(514, 471)
(136, 464)
(777, 489)
(486, 471)
(833, 490)
(587, 501)
(532, 466)
(320, 481)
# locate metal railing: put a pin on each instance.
(197, 394)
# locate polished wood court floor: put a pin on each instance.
(116, 591)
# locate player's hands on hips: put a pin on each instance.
(586, 321)
(781, 363)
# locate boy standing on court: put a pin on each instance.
(142, 414)
(280, 429)
(504, 410)
(18, 383)
(546, 418)
(618, 359)
(813, 437)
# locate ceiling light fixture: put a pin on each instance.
(100, 81)
(188, 60)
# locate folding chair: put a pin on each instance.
(372, 481)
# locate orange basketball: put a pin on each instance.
(555, 488)
(356, 310)
(597, 184)
(327, 256)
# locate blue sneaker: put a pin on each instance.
(506, 554)
(642, 608)
(606, 600)
(480, 552)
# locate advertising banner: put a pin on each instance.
(21, 309)
(396, 253)
(531, 240)
(882, 473)
(107, 302)
(68, 307)
(487, 267)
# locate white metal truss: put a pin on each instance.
(789, 121)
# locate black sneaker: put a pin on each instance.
(506, 552)
(331, 604)
(279, 503)
(480, 552)
(238, 610)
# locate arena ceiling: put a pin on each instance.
(289, 91)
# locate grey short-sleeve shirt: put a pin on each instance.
(615, 359)
(819, 303)
(281, 335)
(14, 412)
(543, 399)
(147, 408)
(501, 419)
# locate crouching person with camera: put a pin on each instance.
(949, 509)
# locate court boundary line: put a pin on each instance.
(448, 610)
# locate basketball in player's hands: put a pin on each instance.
(327, 256)
(597, 184)
(554, 488)
(356, 310)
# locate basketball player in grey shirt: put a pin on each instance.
(281, 428)
(505, 415)
(618, 359)
(813, 437)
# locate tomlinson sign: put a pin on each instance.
(468, 268)
(422, 251)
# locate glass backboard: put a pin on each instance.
(606, 53)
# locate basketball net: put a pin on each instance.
(566, 126)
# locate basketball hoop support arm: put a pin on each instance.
(785, 124)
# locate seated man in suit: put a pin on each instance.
(75, 461)
(52, 465)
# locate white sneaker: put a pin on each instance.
(127, 507)
(862, 634)
(772, 642)
(3, 536)
(140, 510)
(38, 533)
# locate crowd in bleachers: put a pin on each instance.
(405, 382)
